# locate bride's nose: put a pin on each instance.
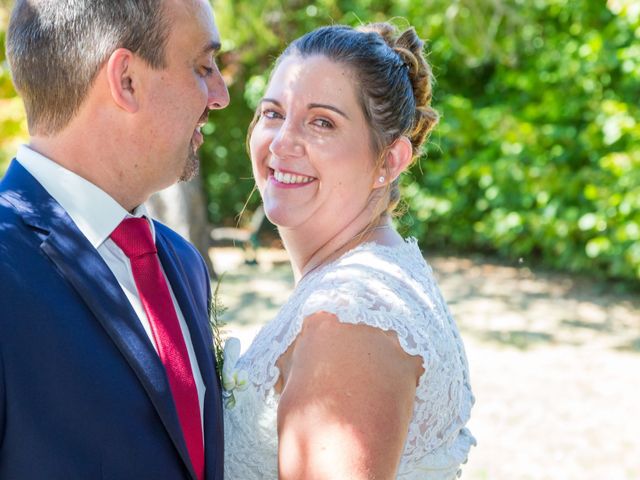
(288, 141)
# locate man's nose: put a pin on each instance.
(218, 93)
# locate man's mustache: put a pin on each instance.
(204, 118)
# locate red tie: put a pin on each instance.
(133, 236)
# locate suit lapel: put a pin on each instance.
(202, 344)
(81, 265)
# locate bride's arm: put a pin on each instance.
(346, 402)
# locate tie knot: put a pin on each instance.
(133, 236)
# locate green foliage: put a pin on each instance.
(13, 125)
(216, 324)
(538, 151)
(540, 157)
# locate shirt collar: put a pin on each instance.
(95, 212)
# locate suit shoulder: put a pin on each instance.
(6, 207)
(189, 257)
(9, 219)
(174, 237)
(183, 247)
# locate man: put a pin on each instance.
(106, 361)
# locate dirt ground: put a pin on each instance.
(554, 359)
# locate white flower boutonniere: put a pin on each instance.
(233, 379)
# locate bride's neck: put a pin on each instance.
(309, 250)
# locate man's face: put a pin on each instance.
(177, 99)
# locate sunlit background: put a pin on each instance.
(528, 195)
(538, 150)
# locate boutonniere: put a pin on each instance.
(226, 352)
(216, 309)
(234, 380)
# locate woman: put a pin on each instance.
(362, 374)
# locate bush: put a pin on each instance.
(538, 149)
(539, 155)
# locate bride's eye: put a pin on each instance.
(323, 123)
(270, 114)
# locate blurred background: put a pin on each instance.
(526, 201)
(537, 155)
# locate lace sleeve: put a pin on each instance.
(393, 291)
(376, 294)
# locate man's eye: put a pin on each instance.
(207, 71)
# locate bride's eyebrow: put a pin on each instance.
(309, 106)
(328, 107)
(270, 100)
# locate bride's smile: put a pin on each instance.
(284, 179)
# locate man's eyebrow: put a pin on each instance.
(213, 46)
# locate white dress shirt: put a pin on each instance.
(97, 215)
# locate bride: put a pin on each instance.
(362, 374)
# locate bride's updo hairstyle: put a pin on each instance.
(393, 83)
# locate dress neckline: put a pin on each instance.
(409, 243)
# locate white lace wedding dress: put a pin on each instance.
(391, 288)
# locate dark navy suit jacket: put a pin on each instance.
(83, 394)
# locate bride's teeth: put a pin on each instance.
(289, 178)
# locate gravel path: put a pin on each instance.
(555, 362)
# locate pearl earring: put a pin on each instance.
(381, 179)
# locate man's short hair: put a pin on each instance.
(55, 49)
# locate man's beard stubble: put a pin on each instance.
(191, 167)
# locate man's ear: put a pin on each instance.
(397, 158)
(122, 82)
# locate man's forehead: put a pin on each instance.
(193, 19)
(189, 8)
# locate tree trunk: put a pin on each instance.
(182, 207)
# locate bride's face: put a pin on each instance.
(311, 147)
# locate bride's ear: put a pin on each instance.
(397, 158)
